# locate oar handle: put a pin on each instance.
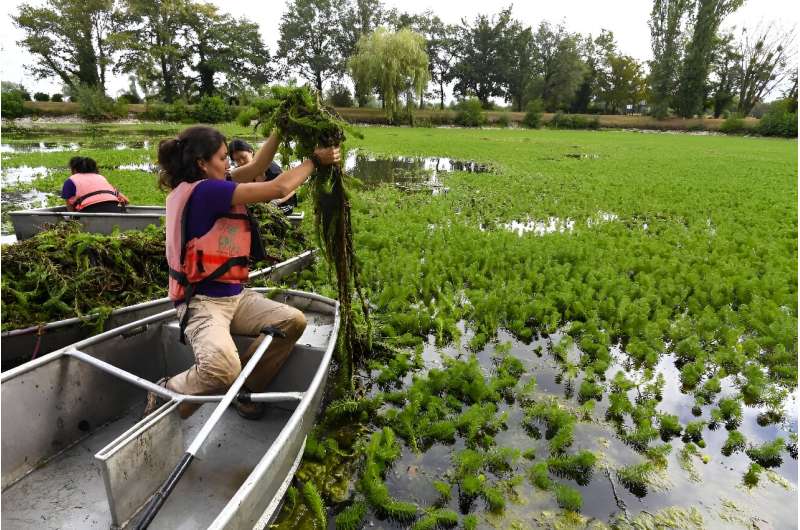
(164, 491)
(166, 488)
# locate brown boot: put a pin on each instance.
(154, 400)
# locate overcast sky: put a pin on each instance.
(626, 18)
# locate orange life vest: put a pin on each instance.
(219, 255)
(91, 188)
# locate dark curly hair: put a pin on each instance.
(177, 157)
(82, 164)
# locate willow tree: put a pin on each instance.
(394, 63)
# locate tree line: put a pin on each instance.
(184, 50)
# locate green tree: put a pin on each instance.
(626, 83)
(697, 61)
(439, 43)
(68, 39)
(726, 74)
(228, 51)
(668, 21)
(311, 37)
(479, 50)
(395, 63)
(764, 64)
(360, 18)
(150, 47)
(558, 67)
(595, 53)
(519, 65)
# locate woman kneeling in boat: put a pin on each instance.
(209, 237)
(242, 154)
(88, 191)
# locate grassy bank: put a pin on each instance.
(447, 117)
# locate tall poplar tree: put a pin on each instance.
(697, 61)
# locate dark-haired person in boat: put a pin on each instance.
(209, 239)
(242, 154)
(86, 190)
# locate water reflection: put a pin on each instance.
(406, 172)
(55, 147)
(23, 174)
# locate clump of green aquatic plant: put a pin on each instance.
(685, 456)
(578, 467)
(470, 468)
(767, 454)
(304, 124)
(657, 454)
(728, 410)
(395, 368)
(351, 517)
(694, 431)
(445, 491)
(539, 476)
(636, 477)
(753, 384)
(315, 505)
(381, 451)
(589, 390)
(752, 475)
(735, 442)
(438, 518)
(618, 406)
(568, 498)
(669, 426)
(470, 522)
(559, 423)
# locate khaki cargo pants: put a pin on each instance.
(212, 320)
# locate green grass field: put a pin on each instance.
(652, 304)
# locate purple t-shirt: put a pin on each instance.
(68, 190)
(209, 200)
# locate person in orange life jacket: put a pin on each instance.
(88, 191)
(242, 153)
(208, 242)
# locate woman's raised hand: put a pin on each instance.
(328, 155)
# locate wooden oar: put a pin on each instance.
(172, 480)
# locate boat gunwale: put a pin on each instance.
(100, 337)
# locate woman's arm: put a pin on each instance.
(285, 183)
(259, 164)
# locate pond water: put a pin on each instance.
(54, 147)
(714, 488)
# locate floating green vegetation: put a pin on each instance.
(751, 477)
(436, 519)
(729, 410)
(559, 423)
(734, 443)
(351, 517)
(685, 457)
(669, 426)
(304, 124)
(578, 467)
(636, 477)
(767, 454)
(315, 504)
